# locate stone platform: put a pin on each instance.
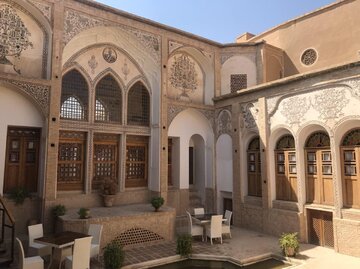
(130, 225)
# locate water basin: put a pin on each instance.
(209, 264)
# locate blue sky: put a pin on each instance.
(219, 20)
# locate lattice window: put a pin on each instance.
(328, 230)
(136, 161)
(318, 140)
(309, 57)
(72, 109)
(238, 82)
(105, 158)
(70, 173)
(109, 92)
(101, 113)
(74, 96)
(286, 142)
(135, 236)
(352, 138)
(254, 168)
(138, 105)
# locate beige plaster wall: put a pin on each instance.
(30, 61)
(327, 31)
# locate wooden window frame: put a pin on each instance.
(351, 182)
(319, 185)
(137, 141)
(286, 180)
(254, 170)
(70, 137)
(110, 140)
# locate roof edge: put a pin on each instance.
(128, 15)
(301, 17)
(290, 79)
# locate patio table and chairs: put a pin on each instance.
(211, 225)
(58, 242)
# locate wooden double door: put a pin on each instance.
(22, 159)
(321, 230)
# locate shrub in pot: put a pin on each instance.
(157, 202)
(84, 213)
(19, 194)
(109, 188)
(289, 244)
(184, 245)
(113, 256)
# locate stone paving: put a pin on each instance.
(245, 246)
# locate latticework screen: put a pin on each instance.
(70, 174)
(136, 161)
(136, 236)
(238, 82)
(108, 105)
(105, 158)
(74, 97)
(138, 106)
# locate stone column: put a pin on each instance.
(54, 115)
(236, 195)
(163, 122)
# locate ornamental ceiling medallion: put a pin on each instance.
(14, 36)
(183, 77)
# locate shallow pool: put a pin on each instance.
(208, 264)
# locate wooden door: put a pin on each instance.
(319, 183)
(22, 158)
(321, 230)
(286, 180)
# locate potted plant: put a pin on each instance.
(157, 202)
(84, 213)
(18, 195)
(113, 256)
(184, 245)
(57, 211)
(289, 244)
(109, 188)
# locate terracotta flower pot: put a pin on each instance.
(108, 200)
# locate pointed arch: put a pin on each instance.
(138, 105)
(108, 92)
(74, 96)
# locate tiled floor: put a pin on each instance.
(244, 246)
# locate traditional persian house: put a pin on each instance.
(268, 127)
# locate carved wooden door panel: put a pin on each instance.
(22, 158)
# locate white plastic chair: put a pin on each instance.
(35, 262)
(199, 211)
(81, 254)
(36, 231)
(195, 229)
(214, 230)
(95, 230)
(226, 224)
